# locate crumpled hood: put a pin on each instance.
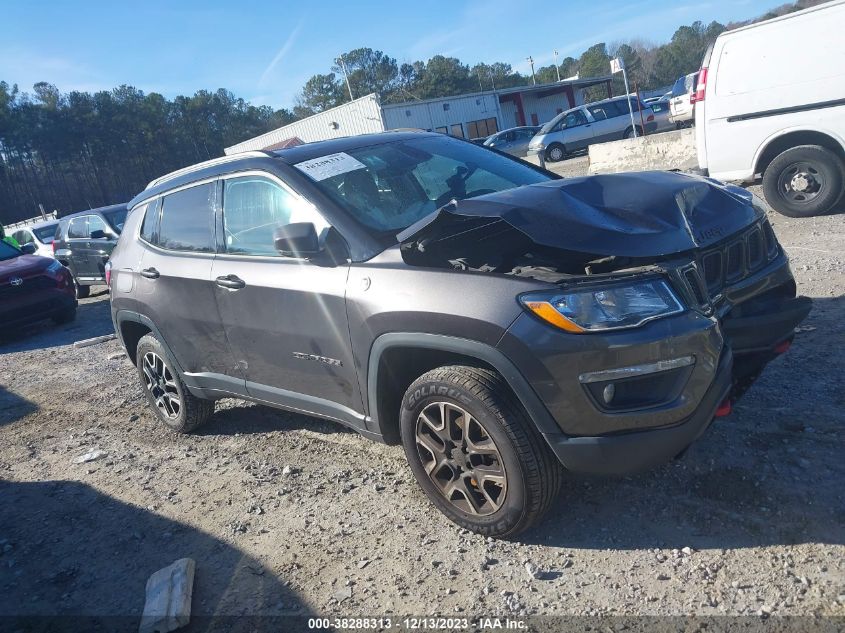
(630, 215)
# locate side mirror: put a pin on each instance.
(298, 239)
(29, 248)
(99, 234)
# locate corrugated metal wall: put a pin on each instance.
(430, 115)
(360, 116)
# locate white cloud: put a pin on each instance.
(284, 50)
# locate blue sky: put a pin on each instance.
(265, 51)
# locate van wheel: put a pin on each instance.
(804, 181)
(555, 152)
(629, 133)
(171, 401)
(475, 452)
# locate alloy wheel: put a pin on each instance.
(461, 459)
(161, 385)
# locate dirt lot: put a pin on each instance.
(750, 521)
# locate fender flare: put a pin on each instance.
(516, 381)
(122, 316)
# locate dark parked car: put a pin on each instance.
(501, 323)
(84, 241)
(33, 288)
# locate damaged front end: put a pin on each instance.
(613, 253)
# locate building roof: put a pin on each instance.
(574, 83)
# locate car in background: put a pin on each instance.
(513, 141)
(33, 288)
(598, 122)
(682, 103)
(662, 116)
(40, 234)
(762, 111)
(84, 241)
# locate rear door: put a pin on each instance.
(79, 248)
(176, 289)
(285, 317)
(99, 247)
(604, 126)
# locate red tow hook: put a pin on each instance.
(781, 347)
(724, 408)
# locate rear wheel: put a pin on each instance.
(168, 396)
(475, 452)
(555, 152)
(629, 133)
(81, 291)
(804, 181)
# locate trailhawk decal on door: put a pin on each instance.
(328, 166)
(320, 359)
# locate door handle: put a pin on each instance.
(150, 273)
(233, 282)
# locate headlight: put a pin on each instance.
(55, 266)
(605, 307)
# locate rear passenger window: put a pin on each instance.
(254, 207)
(187, 220)
(78, 228)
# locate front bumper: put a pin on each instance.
(631, 452)
(668, 409)
(36, 307)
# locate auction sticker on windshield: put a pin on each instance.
(328, 166)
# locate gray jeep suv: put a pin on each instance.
(500, 323)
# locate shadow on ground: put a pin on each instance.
(13, 407)
(69, 551)
(93, 318)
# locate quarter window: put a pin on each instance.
(254, 207)
(95, 223)
(187, 220)
(148, 228)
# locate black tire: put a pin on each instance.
(629, 133)
(532, 474)
(555, 153)
(191, 412)
(820, 174)
(67, 315)
(82, 292)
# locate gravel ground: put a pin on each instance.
(289, 514)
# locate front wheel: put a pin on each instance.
(556, 152)
(167, 395)
(804, 181)
(475, 452)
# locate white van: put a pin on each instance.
(770, 101)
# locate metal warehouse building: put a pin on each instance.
(469, 116)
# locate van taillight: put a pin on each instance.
(650, 118)
(108, 273)
(700, 87)
(53, 244)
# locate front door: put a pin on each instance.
(99, 248)
(284, 317)
(577, 131)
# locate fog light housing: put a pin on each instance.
(608, 392)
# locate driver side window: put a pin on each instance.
(573, 119)
(253, 207)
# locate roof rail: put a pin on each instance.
(209, 163)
